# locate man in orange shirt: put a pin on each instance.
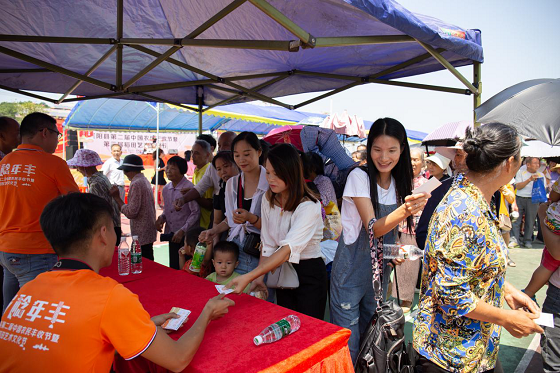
(72, 319)
(30, 177)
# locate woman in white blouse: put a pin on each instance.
(292, 229)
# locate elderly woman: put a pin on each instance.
(463, 281)
(437, 165)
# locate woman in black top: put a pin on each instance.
(161, 177)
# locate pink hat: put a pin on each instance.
(84, 158)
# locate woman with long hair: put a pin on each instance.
(292, 229)
(371, 192)
(159, 168)
(243, 202)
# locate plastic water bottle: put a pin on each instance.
(396, 251)
(198, 257)
(123, 258)
(278, 330)
(136, 256)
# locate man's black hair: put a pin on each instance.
(209, 139)
(227, 247)
(69, 221)
(35, 122)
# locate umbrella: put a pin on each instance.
(533, 107)
(448, 134)
(536, 148)
(345, 124)
(285, 134)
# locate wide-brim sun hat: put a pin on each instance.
(440, 160)
(85, 158)
(132, 162)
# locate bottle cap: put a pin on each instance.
(134, 237)
(258, 340)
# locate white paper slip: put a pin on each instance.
(222, 290)
(175, 324)
(546, 319)
(428, 186)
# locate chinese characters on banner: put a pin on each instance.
(136, 142)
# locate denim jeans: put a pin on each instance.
(19, 269)
(550, 339)
(352, 300)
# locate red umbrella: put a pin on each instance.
(285, 135)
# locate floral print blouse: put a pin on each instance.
(464, 262)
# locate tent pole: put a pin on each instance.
(15, 90)
(120, 17)
(156, 161)
(200, 99)
(478, 84)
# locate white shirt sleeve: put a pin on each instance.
(268, 247)
(519, 177)
(357, 184)
(231, 200)
(209, 179)
(305, 222)
(105, 167)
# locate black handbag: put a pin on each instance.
(252, 242)
(383, 347)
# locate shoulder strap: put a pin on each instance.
(376, 247)
(239, 193)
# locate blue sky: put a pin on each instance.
(520, 40)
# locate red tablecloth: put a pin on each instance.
(228, 343)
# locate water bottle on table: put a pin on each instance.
(136, 256)
(123, 255)
(396, 251)
(278, 330)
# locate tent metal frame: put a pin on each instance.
(227, 84)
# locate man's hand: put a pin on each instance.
(160, 319)
(520, 323)
(534, 177)
(159, 223)
(178, 236)
(179, 204)
(217, 307)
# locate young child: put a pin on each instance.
(225, 260)
(550, 218)
(186, 253)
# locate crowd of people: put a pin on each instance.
(259, 208)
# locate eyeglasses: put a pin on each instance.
(55, 131)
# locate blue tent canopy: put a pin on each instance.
(126, 115)
(222, 51)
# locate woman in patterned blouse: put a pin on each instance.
(463, 281)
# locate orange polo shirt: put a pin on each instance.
(72, 321)
(29, 179)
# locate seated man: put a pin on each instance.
(72, 318)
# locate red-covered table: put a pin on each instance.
(228, 343)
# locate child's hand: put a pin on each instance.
(259, 285)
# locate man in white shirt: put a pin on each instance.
(524, 185)
(110, 169)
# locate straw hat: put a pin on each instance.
(84, 158)
(440, 160)
(132, 162)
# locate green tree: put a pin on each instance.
(21, 109)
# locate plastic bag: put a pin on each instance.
(333, 222)
(538, 194)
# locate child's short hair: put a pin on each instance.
(191, 237)
(227, 247)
